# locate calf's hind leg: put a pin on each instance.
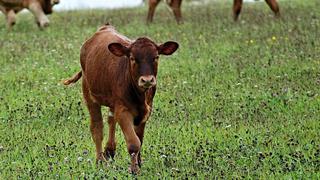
(96, 122)
(96, 128)
(110, 149)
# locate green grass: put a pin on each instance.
(238, 100)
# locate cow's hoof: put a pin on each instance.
(12, 24)
(179, 21)
(43, 24)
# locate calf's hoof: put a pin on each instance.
(109, 153)
(101, 159)
(134, 169)
(179, 21)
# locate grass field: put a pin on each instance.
(238, 100)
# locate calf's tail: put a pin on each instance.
(73, 79)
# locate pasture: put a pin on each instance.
(237, 100)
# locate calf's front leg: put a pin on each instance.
(140, 132)
(125, 120)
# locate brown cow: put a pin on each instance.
(237, 5)
(121, 74)
(175, 5)
(39, 9)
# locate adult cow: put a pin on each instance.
(121, 74)
(237, 5)
(39, 8)
(175, 5)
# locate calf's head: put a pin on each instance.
(143, 55)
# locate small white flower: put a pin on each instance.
(80, 159)
(163, 156)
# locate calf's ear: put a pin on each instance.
(118, 49)
(168, 48)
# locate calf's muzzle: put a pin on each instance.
(147, 81)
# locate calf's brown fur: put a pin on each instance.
(121, 74)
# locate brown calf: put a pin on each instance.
(175, 5)
(120, 74)
(237, 5)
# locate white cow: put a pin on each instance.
(39, 8)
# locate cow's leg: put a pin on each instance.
(41, 18)
(140, 132)
(11, 18)
(110, 149)
(176, 8)
(152, 6)
(96, 128)
(274, 7)
(125, 120)
(96, 122)
(237, 5)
